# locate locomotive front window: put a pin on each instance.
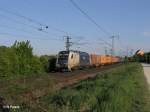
(63, 57)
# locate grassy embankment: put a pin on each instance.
(122, 89)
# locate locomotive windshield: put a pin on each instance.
(63, 57)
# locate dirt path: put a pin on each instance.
(146, 68)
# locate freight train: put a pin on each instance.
(72, 60)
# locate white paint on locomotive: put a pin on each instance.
(73, 60)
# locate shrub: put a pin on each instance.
(52, 64)
(19, 60)
(45, 63)
(8, 61)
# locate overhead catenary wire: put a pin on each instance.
(14, 28)
(26, 36)
(89, 18)
(26, 31)
(31, 26)
(33, 36)
(19, 22)
(22, 16)
(122, 46)
(92, 20)
(40, 28)
(30, 32)
(40, 25)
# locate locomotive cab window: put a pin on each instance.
(72, 56)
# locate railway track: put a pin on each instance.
(70, 78)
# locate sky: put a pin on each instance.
(130, 19)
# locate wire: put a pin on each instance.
(14, 28)
(23, 36)
(19, 22)
(90, 18)
(93, 21)
(58, 30)
(23, 30)
(22, 16)
(33, 21)
(36, 22)
(105, 42)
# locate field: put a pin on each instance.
(120, 89)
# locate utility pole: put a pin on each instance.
(131, 52)
(127, 52)
(113, 45)
(68, 44)
(105, 48)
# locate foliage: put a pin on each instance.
(52, 63)
(144, 58)
(19, 60)
(24, 54)
(8, 61)
(48, 62)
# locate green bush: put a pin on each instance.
(145, 58)
(45, 62)
(52, 64)
(24, 54)
(19, 60)
(8, 61)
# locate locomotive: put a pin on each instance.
(71, 60)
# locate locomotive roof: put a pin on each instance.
(72, 51)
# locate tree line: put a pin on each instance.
(19, 59)
(141, 58)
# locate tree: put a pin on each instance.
(24, 53)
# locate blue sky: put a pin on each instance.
(128, 18)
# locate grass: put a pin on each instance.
(122, 89)
(22, 90)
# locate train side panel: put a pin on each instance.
(108, 59)
(103, 60)
(94, 60)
